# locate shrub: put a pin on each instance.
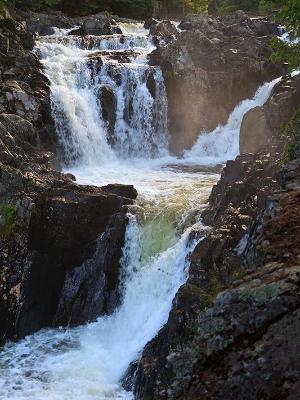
(8, 213)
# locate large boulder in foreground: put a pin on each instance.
(211, 66)
(261, 123)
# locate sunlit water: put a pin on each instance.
(88, 362)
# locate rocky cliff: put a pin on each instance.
(60, 243)
(209, 66)
(231, 333)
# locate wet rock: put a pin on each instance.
(116, 30)
(164, 30)
(262, 123)
(97, 25)
(43, 24)
(151, 85)
(92, 289)
(109, 108)
(265, 27)
(150, 22)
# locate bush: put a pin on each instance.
(8, 213)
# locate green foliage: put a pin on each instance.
(229, 6)
(196, 6)
(8, 213)
(290, 135)
(4, 4)
(285, 53)
(289, 16)
(34, 5)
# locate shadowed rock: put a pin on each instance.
(109, 108)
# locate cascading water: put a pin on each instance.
(88, 362)
(223, 143)
(79, 69)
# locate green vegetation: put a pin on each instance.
(290, 135)
(8, 213)
(254, 6)
(289, 16)
(160, 8)
(126, 8)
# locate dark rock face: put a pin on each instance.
(163, 31)
(60, 242)
(91, 289)
(150, 22)
(151, 85)
(230, 334)
(108, 103)
(98, 25)
(24, 90)
(260, 123)
(43, 24)
(211, 66)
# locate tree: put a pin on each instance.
(284, 51)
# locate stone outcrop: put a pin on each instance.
(163, 31)
(211, 66)
(44, 24)
(56, 238)
(24, 89)
(108, 103)
(230, 334)
(261, 123)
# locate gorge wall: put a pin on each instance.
(50, 228)
(231, 331)
(210, 65)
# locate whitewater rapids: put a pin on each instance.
(88, 362)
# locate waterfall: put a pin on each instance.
(87, 362)
(84, 74)
(223, 143)
(91, 77)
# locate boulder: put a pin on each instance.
(108, 103)
(164, 30)
(151, 85)
(261, 124)
(43, 24)
(150, 22)
(100, 24)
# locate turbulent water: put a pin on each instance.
(88, 362)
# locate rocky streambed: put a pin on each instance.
(71, 253)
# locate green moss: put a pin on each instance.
(8, 213)
(238, 273)
(168, 74)
(261, 294)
